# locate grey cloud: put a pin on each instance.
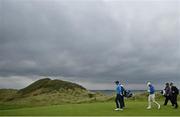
(99, 41)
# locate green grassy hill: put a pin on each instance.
(47, 85)
(47, 92)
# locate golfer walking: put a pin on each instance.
(167, 94)
(174, 94)
(151, 97)
(119, 97)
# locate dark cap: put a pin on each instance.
(117, 82)
(167, 83)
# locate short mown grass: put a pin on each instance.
(133, 108)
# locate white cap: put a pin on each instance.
(148, 83)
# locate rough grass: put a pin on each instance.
(133, 108)
(54, 98)
(7, 94)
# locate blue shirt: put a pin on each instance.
(151, 89)
(119, 89)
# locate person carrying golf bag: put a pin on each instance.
(151, 97)
(119, 97)
(174, 94)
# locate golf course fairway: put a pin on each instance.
(133, 108)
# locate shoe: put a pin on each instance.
(148, 107)
(117, 109)
(159, 106)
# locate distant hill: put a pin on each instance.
(47, 85)
(49, 92)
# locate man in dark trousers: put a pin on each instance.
(119, 97)
(174, 94)
(167, 94)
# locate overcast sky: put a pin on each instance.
(90, 42)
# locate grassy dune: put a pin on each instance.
(133, 108)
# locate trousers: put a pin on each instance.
(119, 101)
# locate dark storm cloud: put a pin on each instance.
(96, 41)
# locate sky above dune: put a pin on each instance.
(90, 42)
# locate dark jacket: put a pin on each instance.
(167, 90)
(174, 90)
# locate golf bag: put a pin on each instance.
(128, 93)
(177, 91)
(163, 92)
